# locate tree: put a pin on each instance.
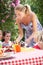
(38, 8)
(6, 16)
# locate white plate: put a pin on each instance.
(7, 55)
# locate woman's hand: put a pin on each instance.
(30, 38)
(20, 32)
(19, 38)
(27, 41)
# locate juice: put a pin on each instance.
(16, 47)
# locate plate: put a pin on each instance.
(7, 55)
(25, 49)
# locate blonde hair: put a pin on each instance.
(26, 8)
(40, 36)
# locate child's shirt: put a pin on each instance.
(36, 46)
(9, 44)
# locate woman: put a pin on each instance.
(27, 19)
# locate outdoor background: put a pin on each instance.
(7, 18)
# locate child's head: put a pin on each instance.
(6, 36)
(40, 39)
(0, 34)
(40, 36)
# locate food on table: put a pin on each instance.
(25, 49)
(22, 43)
(1, 52)
(8, 50)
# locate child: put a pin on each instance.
(39, 40)
(0, 38)
(7, 37)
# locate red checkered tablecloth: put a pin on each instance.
(25, 58)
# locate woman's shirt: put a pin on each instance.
(29, 30)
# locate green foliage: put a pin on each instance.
(37, 7)
(5, 9)
(9, 25)
(6, 14)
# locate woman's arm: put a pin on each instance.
(34, 23)
(20, 36)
